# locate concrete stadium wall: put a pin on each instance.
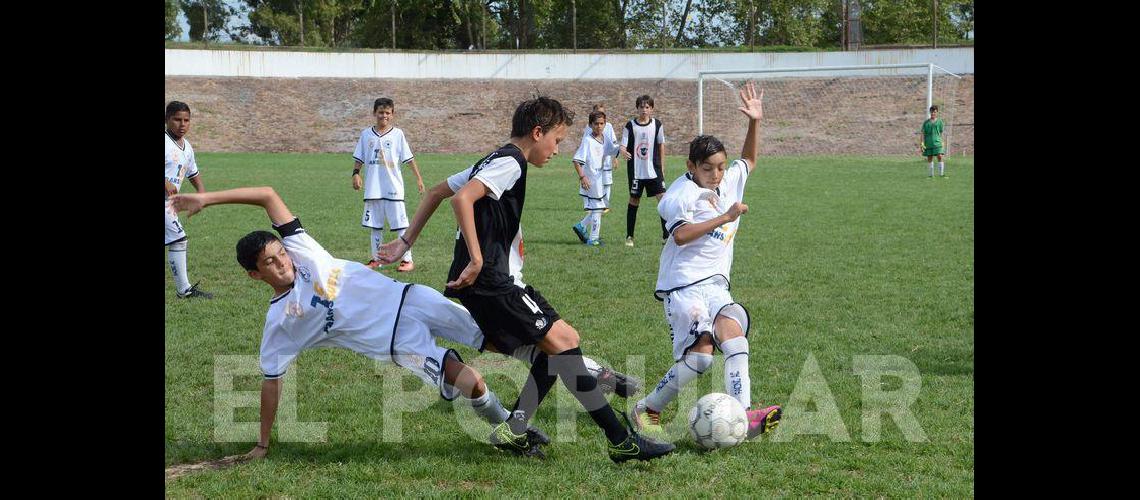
(472, 115)
(533, 66)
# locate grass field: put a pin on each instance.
(837, 258)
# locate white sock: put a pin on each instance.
(408, 254)
(585, 222)
(595, 224)
(683, 372)
(932, 169)
(176, 255)
(941, 168)
(374, 244)
(489, 408)
(737, 383)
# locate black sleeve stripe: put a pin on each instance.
(358, 160)
(409, 159)
(290, 228)
(676, 225)
(195, 174)
(271, 377)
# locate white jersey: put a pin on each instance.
(383, 155)
(333, 303)
(609, 137)
(645, 137)
(709, 257)
(592, 155)
(180, 162)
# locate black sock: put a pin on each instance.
(569, 366)
(630, 219)
(664, 233)
(538, 384)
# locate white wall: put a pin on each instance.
(533, 66)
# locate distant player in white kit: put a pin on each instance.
(608, 163)
(382, 150)
(322, 301)
(702, 209)
(589, 161)
(180, 164)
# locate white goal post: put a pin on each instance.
(875, 105)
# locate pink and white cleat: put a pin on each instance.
(761, 421)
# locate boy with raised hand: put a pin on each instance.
(703, 209)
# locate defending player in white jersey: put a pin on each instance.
(322, 301)
(702, 209)
(180, 164)
(589, 161)
(382, 150)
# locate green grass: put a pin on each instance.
(837, 257)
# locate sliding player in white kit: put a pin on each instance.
(702, 209)
(589, 161)
(323, 301)
(382, 150)
(180, 164)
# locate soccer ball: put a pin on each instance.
(718, 421)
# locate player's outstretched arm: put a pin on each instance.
(393, 250)
(752, 105)
(264, 197)
(464, 206)
(270, 397)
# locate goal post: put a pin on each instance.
(861, 109)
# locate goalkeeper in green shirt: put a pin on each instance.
(931, 145)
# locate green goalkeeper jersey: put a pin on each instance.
(932, 133)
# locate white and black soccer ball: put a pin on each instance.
(718, 421)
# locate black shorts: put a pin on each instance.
(522, 317)
(652, 187)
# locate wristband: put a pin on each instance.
(356, 171)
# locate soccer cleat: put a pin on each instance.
(406, 266)
(580, 232)
(594, 243)
(618, 383)
(535, 436)
(194, 292)
(606, 211)
(638, 447)
(645, 419)
(764, 420)
(519, 444)
(629, 241)
(373, 264)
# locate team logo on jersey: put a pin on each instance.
(294, 309)
(540, 323)
(643, 150)
(305, 273)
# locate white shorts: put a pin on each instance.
(692, 310)
(376, 211)
(607, 178)
(174, 230)
(426, 314)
